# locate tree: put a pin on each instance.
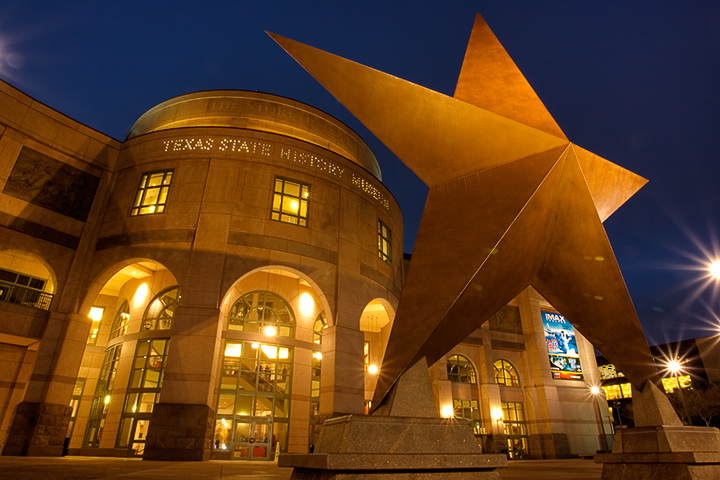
(703, 403)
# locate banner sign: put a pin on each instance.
(561, 347)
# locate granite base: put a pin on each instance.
(663, 453)
(394, 448)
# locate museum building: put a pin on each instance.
(222, 280)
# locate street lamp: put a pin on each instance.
(714, 268)
(674, 366)
(595, 390)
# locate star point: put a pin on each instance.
(512, 203)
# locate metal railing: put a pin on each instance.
(25, 296)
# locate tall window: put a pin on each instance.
(318, 327)
(152, 192)
(320, 324)
(161, 310)
(120, 322)
(384, 243)
(96, 314)
(75, 404)
(459, 369)
(515, 429)
(469, 410)
(143, 393)
(505, 374)
(253, 410)
(103, 395)
(290, 201)
(262, 312)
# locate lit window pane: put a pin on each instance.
(152, 193)
(289, 203)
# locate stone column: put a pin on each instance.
(548, 440)
(182, 424)
(341, 390)
(40, 421)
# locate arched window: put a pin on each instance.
(159, 313)
(318, 327)
(120, 322)
(459, 369)
(505, 374)
(261, 312)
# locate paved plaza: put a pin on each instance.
(91, 468)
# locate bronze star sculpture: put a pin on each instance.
(511, 203)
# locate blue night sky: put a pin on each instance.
(635, 82)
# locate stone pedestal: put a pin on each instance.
(659, 453)
(38, 430)
(180, 432)
(660, 447)
(403, 440)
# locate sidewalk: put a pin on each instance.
(92, 468)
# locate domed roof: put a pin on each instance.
(259, 112)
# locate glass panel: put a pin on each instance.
(262, 433)
(279, 438)
(241, 451)
(292, 189)
(223, 429)
(141, 428)
(282, 407)
(152, 379)
(124, 432)
(147, 401)
(242, 432)
(226, 404)
(155, 179)
(244, 405)
(263, 406)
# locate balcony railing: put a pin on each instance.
(25, 296)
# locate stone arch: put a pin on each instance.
(375, 322)
(241, 286)
(29, 263)
(461, 369)
(506, 373)
(110, 282)
(101, 280)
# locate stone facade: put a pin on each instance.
(148, 270)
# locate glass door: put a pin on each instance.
(253, 441)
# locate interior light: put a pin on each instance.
(255, 345)
(317, 355)
(96, 313)
(269, 351)
(233, 350)
(140, 295)
(270, 331)
(306, 305)
(107, 399)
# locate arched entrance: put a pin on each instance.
(270, 355)
(121, 373)
(375, 323)
(254, 400)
